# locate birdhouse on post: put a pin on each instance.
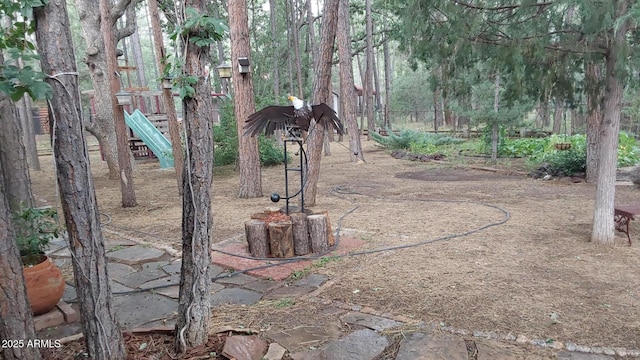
(244, 67)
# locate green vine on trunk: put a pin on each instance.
(201, 30)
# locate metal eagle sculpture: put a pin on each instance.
(292, 118)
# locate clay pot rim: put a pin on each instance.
(33, 260)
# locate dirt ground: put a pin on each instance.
(445, 244)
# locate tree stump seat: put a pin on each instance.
(275, 234)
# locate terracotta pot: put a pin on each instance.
(45, 285)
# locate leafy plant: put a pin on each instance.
(225, 138)
(15, 43)
(628, 150)
(574, 160)
(568, 162)
(270, 152)
(523, 147)
(415, 141)
(201, 30)
(35, 227)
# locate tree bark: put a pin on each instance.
(387, 82)
(136, 53)
(28, 133)
(248, 155)
(603, 223)
(281, 239)
(312, 31)
(192, 328)
(347, 90)
(167, 96)
(594, 118)
(368, 82)
(257, 238)
(495, 128)
(318, 233)
(301, 244)
(13, 156)
(275, 70)
(557, 116)
(542, 112)
(16, 322)
(376, 80)
(330, 238)
(102, 336)
(102, 126)
(122, 137)
(297, 61)
(321, 94)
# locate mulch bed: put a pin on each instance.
(155, 344)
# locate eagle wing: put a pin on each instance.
(324, 114)
(269, 119)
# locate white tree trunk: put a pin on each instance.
(603, 225)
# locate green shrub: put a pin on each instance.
(568, 162)
(574, 160)
(523, 147)
(34, 229)
(485, 139)
(225, 139)
(628, 150)
(270, 152)
(414, 141)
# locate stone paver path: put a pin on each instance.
(135, 270)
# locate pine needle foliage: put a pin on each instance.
(413, 140)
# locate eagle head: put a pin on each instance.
(297, 103)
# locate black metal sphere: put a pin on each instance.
(275, 197)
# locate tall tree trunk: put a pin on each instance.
(122, 134)
(312, 31)
(102, 126)
(296, 49)
(495, 129)
(387, 82)
(136, 53)
(16, 322)
(192, 327)
(368, 83)
(13, 156)
(603, 224)
(102, 336)
(275, 49)
(437, 114)
(594, 118)
(557, 116)
(291, 45)
(377, 94)
(28, 133)
(248, 155)
(542, 112)
(321, 94)
(361, 92)
(574, 118)
(347, 90)
(167, 95)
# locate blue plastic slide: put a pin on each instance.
(151, 136)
